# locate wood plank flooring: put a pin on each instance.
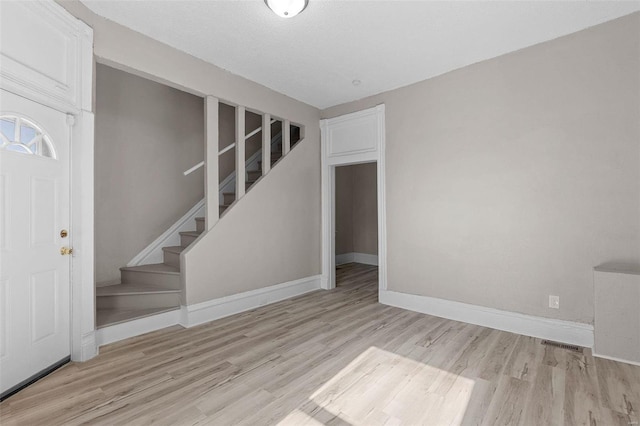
(333, 358)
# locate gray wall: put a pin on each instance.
(146, 135)
(270, 237)
(344, 210)
(365, 208)
(356, 209)
(508, 180)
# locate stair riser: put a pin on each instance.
(169, 281)
(172, 259)
(185, 240)
(200, 225)
(228, 198)
(138, 301)
(221, 210)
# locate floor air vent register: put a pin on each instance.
(572, 348)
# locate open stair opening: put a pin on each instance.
(151, 289)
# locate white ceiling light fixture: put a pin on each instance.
(287, 8)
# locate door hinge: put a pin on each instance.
(71, 120)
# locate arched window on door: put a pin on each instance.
(18, 134)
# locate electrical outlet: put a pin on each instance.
(554, 302)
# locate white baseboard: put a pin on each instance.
(225, 306)
(136, 327)
(367, 259)
(364, 258)
(189, 316)
(171, 237)
(545, 328)
(89, 346)
(613, 358)
(341, 259)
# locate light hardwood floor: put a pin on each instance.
(335, 358)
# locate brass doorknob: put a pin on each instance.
(66, 250)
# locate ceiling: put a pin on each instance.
(316, 56)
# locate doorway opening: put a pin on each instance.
(355, 139)
(356, 225)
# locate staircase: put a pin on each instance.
(146, 289)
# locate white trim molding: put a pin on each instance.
(364, 258)
(89, 347)
(82, 237)
(125, 330)
(171, 237)
(211, 143)
(574, 333)
(200, 313)
(353, 138)
(613, 358)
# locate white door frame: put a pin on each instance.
(353, 138)
(83, 299)
(71, 93)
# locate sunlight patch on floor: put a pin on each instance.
(382, 387)
(299, 417)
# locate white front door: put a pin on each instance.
(34, 211)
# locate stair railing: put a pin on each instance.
(225, 149)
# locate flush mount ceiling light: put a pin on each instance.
(287, 8)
